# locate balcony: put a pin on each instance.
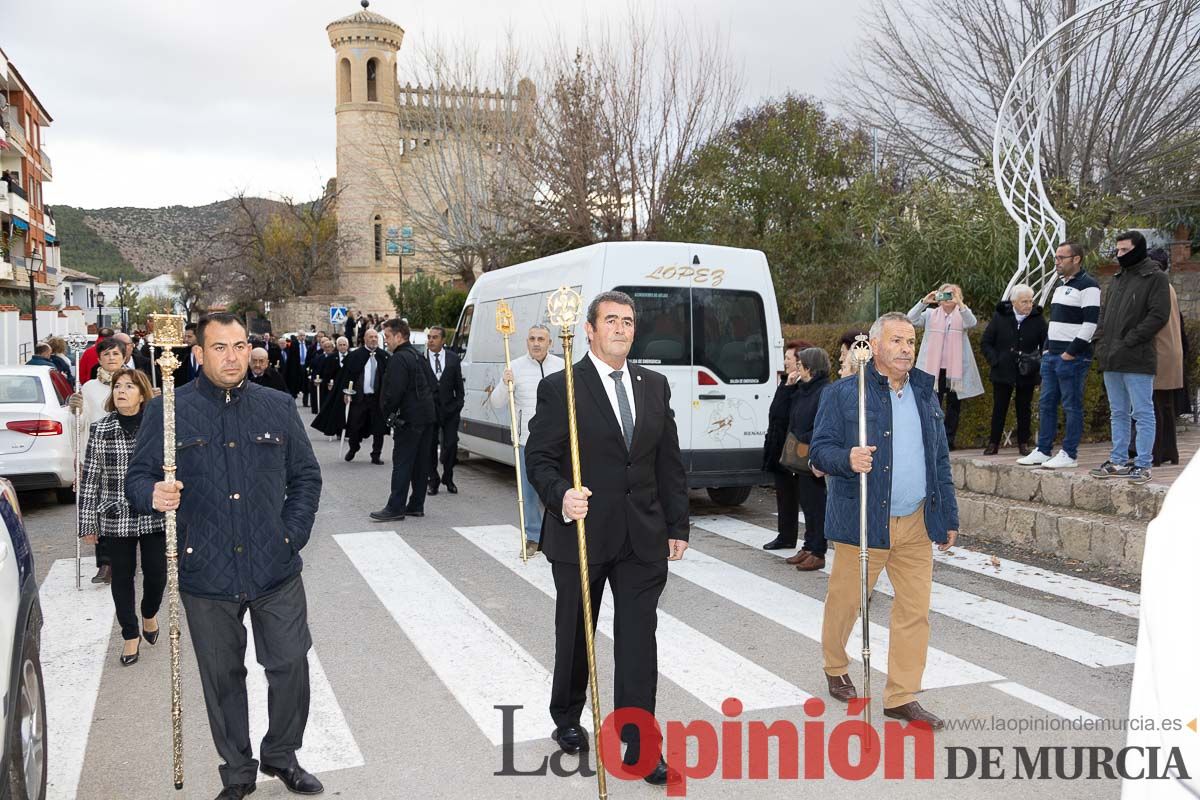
(14, 128)
(49, 225)
(18, 206)
(46, 164)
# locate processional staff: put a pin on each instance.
(564, 306)
(860, 352)
(507, 326)
(78, 343)
(168, 333)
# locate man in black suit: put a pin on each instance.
(295, 369)
(332, 415)
(189, 365)
(409, 407)
(352, 325)
(632, 467)
(365, 366)
(263, 373)
(274, 351)
(447, 371)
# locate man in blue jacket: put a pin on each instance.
(246, 499)
(910, 501)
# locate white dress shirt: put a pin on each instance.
(438, 364)
(610, 386)
(369, 373)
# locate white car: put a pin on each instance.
(23, 765)
(37, 430)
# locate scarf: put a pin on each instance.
(104, 376)
(944, 337)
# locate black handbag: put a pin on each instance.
(1029, 364)
(794, 455)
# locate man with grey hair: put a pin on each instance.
(1012, 345)
(262, 373)
(135, 360)
(525, 374)
(910, 501)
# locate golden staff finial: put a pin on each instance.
(168, 333)
(507, 326)
(564, 306)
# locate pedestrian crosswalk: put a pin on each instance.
(482, 663)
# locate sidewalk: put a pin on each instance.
(1096, 453)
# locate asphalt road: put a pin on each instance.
(421, 628)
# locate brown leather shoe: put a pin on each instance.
(812, 563)
(800, 557)
(991, 449)
(841, 688)
(912, 712)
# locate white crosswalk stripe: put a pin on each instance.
(476, 660)
(705, 668)
(1065, 640)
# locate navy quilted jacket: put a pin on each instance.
(251, 486)
(836, 431)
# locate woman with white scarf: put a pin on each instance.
(946, 351)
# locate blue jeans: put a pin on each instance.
(1131, 393)
(1062, 382)
(533, 505)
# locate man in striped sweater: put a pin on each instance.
(1074, 313)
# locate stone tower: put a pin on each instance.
(368, 137)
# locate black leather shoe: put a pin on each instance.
(151, 636)
(778, 544)
(412, 513)
(387, 515)
(992, 449)
(350, 453)
(433, 488)
(377, 460)
(236, 791)
(128, 661)
(1024, 450)
(571, 739)
(450, 487)
(662, 775)
(296, 779)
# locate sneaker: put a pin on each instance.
(1110, 470)
(1060, 461)
(1033, 459)
(1139, 475)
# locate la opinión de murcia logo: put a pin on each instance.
(816, 749)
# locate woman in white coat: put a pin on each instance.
(946, 351)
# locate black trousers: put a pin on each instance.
(952, 405)
(811, 492)
(636, 586)
(123, 555)
(1002, 393)
(410, 467)
(787, 503)
(102, 557)
(365, 416)
(446, 434)
(281, 641)
(1166, 440)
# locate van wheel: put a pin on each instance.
(27, 735)
(65, 496)
(729, 495)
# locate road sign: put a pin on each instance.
(337, 315)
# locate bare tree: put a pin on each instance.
(1124, 122)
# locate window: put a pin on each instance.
(463, 333)
(21, 389)
(663, 320)
(378, 238)
(729, 332)
(372, 73)
(344, 92)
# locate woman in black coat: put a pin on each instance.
(1017, 329)
(814, 379)
(787, 499)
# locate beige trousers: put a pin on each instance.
(909, 565)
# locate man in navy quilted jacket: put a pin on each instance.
(246, 499)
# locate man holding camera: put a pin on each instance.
(409, 410)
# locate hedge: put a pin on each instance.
(976, 419)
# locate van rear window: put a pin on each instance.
(730, 334)
(663, 319)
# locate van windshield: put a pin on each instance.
(729, 331)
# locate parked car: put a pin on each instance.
(37, 430)
(23, 768)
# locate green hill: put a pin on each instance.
(87, 251)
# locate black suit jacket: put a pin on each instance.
(295, 369)
(451, 392)
(409, 387)
(271, 379)
(640, 492)
(355, 369)
(185, 372)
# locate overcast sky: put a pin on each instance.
(187, 101)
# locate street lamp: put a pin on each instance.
(99, 310)
(35, 261)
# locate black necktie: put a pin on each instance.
(437, 363)
(542, 367)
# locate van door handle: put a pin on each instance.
(712, 397)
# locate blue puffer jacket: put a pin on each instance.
(251, 486)
(837, 431)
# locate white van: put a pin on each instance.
(706, 319)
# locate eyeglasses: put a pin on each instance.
(1064, 258)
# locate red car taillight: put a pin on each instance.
(37, 427)
(704, 379)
